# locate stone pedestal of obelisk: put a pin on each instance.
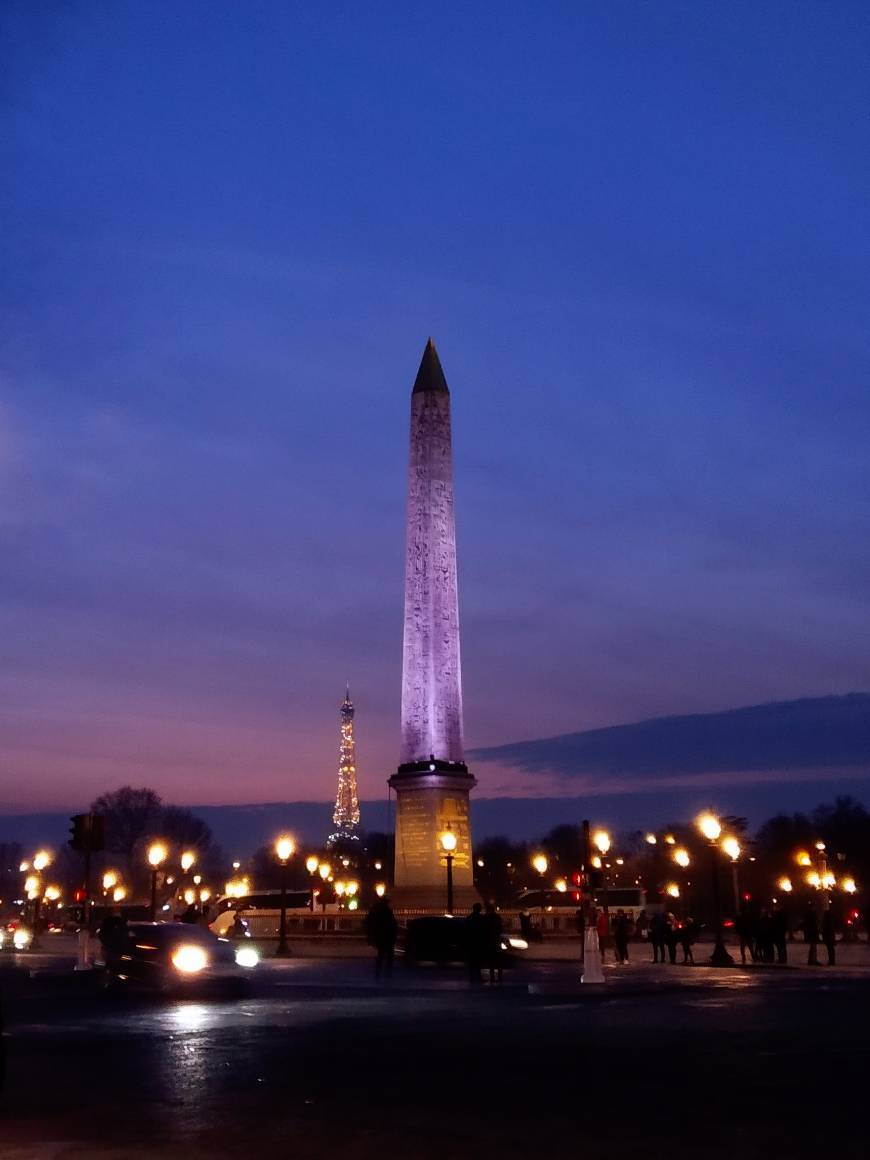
(432, 782)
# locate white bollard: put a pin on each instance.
(83, 958)
(592, 972)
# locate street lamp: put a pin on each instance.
(711, 829)
(324, 870)
(601, 842)
(540, 863)
(285, 848)
(312, 865)
(684, 861)
(732, 848)
(448, 845)
(157, 855)
(380, 889)
(187, 860)
(119, 894)
(784, 884)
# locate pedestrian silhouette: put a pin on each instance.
(475, 942)
(810, 926)
(829, 936)
(493, 933)
(381, 929)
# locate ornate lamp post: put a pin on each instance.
(312, 865)
(285, 848)
(448, 845)
(601, 842)
(540, 864)
(683, 860)
(732, 848)
(711, 829)
(157, 855)
(324, 870)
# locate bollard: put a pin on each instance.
(83, 957)
(592, 972)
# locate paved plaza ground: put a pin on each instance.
(321, 1061)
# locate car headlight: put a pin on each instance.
(189, 959)
(518, 944)
(247, 957)
(22, 939)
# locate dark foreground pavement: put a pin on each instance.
(319, 1062)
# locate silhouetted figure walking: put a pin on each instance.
(381, 929)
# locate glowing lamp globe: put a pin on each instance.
(601, 841)
(448, 841)
(709, 826)
(672, 890)
(285, 847)
(110, 879)
(187, 860)
(540, 863)
(157, 854)
(119, 894)
(681, 857)
(651, 838)
(732, 848)
(813, 879)
(561, 885)
(311, 864)
(324, 870)
(784, 884)
(380, 890)
(41, 860)
(803, 859)
(849, 885)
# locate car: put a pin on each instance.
(441, 939)
(177, 958)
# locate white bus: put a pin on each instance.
(261, 911)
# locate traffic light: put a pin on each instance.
(79, 831)
(88, 832)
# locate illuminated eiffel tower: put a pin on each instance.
(345, 817)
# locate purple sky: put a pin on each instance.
(639, 236)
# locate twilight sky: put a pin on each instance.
(639, 235)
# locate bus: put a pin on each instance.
(630, 899)
(261, 911)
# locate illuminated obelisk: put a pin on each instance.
(432, 782)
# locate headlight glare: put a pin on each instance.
(189, 959)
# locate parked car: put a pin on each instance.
(178, 958)
(441, 939)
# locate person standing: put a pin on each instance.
(657, 937)
(811, 935)
(688, 937)
(603, 927)
(381, 929)
(475, 942)
(829, 936)
(580, 927)
(779, 931)
(493, 934)
(620, 936)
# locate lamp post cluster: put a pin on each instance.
(37, 892)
